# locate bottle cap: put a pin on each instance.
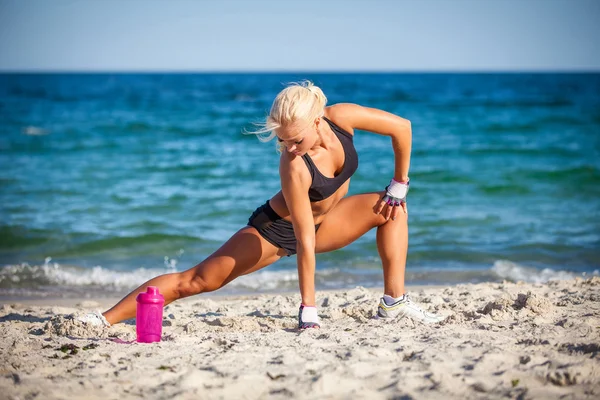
(151, 295)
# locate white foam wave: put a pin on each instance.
(50, 274)
(56, 274)
(266, 280)
(25, 275)
(514, 272)
(34, 131)
(288, 279)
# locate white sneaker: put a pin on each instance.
(94, 318)
(406, 307)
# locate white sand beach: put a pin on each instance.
(500, 340)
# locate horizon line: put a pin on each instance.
(307, 71)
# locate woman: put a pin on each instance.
(310, 214)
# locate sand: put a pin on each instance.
(500, 340)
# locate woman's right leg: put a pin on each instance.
(246, 251)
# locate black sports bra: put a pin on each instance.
(322, 187)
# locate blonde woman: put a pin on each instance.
(310, 214)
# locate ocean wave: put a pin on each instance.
(19, 237)
(505, 189)
(34, 131)
(127, 242)
(515, 272)
(511, 103)
(32, 276)
(559, 120)
(51, 273)
(48, 276)
(586, 172)
(524, 150)
(525, 103)
(441, 175)
(510, 127)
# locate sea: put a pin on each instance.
(107, 180)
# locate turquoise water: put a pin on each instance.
(109, 179)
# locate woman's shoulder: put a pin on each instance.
(341, 115)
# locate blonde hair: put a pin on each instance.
(299, 101)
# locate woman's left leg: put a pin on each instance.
(352, 218)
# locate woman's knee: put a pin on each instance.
(400, 220)
(195, 281)
(382, 219)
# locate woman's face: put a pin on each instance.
(298, 138)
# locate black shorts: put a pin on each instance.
(274, 229)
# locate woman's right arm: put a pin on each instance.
(295, 182)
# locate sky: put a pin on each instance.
(299, 35)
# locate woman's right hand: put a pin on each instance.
(307, 317)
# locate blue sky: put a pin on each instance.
(307, 35)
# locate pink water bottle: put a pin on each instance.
(148, 320)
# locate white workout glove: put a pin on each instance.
(395, 193)
(307, 317)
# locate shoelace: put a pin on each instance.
(409, 301)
